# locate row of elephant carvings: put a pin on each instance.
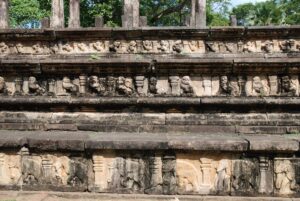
(149, 86)
(180, 173)
(151, 46)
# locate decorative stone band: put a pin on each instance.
(152, 164)
(150, 47)
(152, 86)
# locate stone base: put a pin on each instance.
(55, 196)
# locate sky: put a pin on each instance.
(237, 2)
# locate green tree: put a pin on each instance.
(27, 13)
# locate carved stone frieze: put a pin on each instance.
(153, 85)
(150, 46)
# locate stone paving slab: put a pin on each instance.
(80, 141)
(56, 196)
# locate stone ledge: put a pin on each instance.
(57, 196)
(81, 141)
(152, 32)
(148, 101)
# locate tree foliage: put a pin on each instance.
(272, 12)
(27, 13)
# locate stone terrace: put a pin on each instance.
(169, 113)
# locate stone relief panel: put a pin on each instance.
(203, 174)
(134, 173)
(10, 169)
(245, 176)
(150, 47)
(152, 86)
(286, 176)
(54, 170)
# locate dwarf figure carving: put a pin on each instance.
(20, 48)
(82, 47)
(288, 87)
(164, 46)
(37, 48)
(268, 46)
(258, 87)
(69, 86)
(3, 48)
(186, 86)
(95, 85)
(99, 46)
(231, 47)
(111, 85)
(34, 87)
(67, 48)
(212, 46)
(152, 85)
(178, 46)
(250, 47)
(132, 47)
(288, 45)
(125, 86)
(235, 87)
(147, 45)
(3, 89)
(225, 88)
(118, 47)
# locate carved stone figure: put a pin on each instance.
(118, 47)
(37, 48)
(147, 45)
(152, 85)
(132, 47)
(95, 85)
(231, 47)
(34, 87)
(3, 89)
(4, 48)
(288, 87)
(178, 46)
(250, 47)
(225, 88)
(186, 86)
(66, 48)
(258, 87)
(284, 177)
(288, 45)
(69, 86)
(99, 46)
(222, 182)
(164, 46)
(244, 176)
(169, 174)
(82, 47)
(212, 46)
(268, 46)
(20, 48)
(125, 86)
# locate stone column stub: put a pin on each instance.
(131, 13)
(74, 20)
(4, 17)
(57, 17)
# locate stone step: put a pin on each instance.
(56, 196)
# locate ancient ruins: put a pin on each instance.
(149, 110)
